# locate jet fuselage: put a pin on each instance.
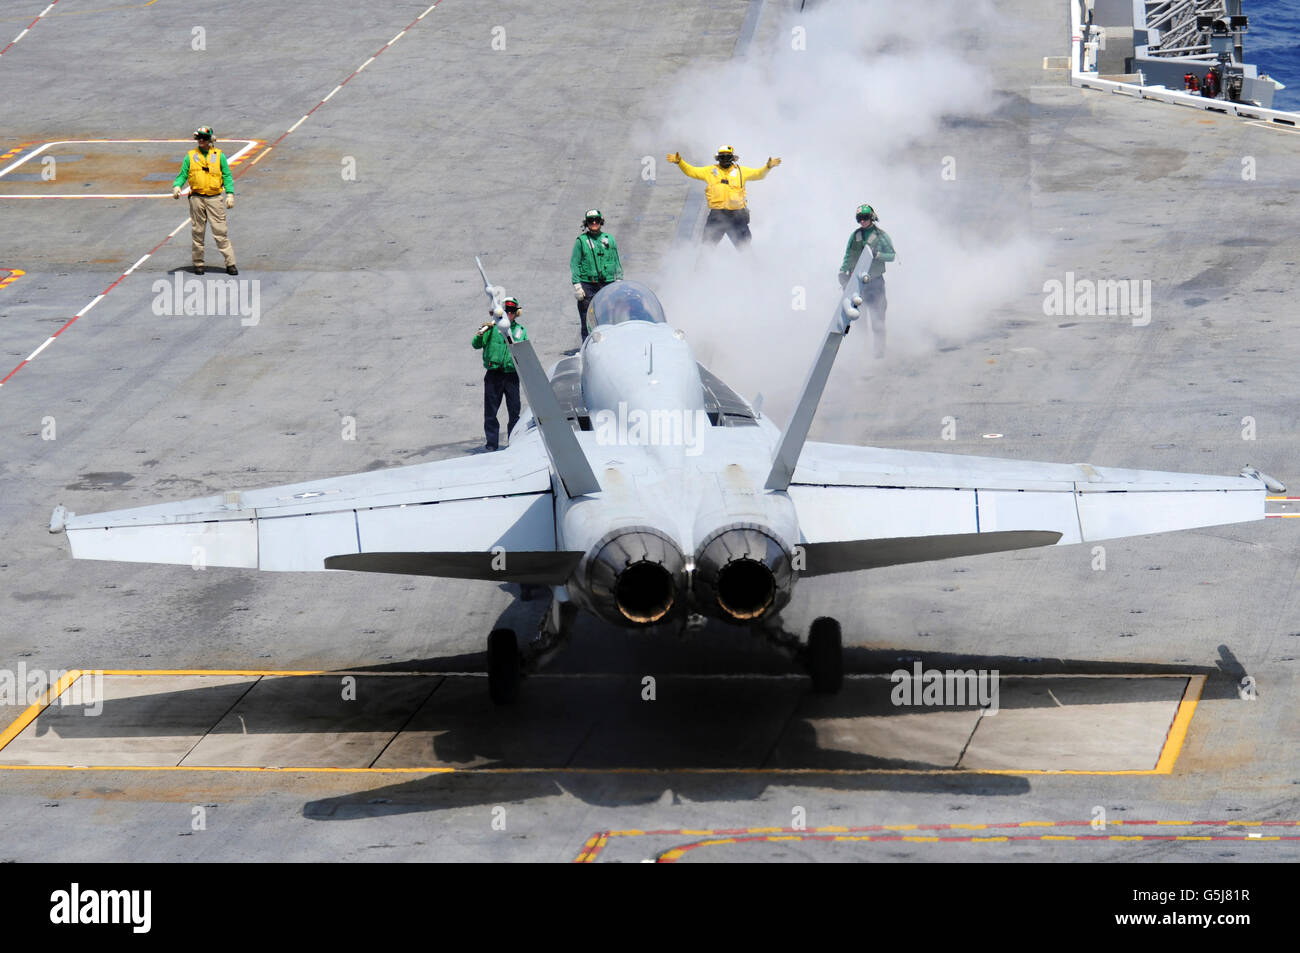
(682, 522)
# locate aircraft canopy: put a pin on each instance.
(624, 301)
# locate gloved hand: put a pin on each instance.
(773, 163)
(674, 157)
(230, 200)
(176, 192)
(484, 328)
(577, 291)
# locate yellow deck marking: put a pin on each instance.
(1168, 756)
(251, 673)
(1182, 720)
(598, 841)
(27, 717)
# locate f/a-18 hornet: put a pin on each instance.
(642, 489)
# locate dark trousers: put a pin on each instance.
(498, 384)
(873, 296)
(731, 222)
(590, 287)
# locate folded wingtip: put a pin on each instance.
(1272, 484)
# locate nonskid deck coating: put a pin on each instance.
(444, 722)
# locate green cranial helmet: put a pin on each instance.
(511, 304)
(867, 212)
(204, 132)
(593, 215)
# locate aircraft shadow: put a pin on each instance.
(617, 719)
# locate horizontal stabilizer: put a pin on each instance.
(539, 568)
(852, 555)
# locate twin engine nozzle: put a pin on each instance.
(742, 574)
(638, 575)
(634, 575)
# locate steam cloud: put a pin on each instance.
(864, 114)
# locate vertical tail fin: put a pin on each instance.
(567, 458)
(786, 457)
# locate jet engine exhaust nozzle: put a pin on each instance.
(634, 576)
(746, 587)
(742, 574)
(644, 592)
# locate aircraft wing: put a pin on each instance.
(486, 517)
(864, 507)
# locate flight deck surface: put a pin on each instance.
(389, 143)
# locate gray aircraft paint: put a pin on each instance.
(625, 505)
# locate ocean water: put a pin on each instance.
(1272, 43)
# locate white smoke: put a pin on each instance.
(862, 114)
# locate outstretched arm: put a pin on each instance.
(691, 171)
(754, 174)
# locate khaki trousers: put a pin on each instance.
(209, 210)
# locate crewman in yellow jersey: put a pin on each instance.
(725, 193)
(206, 170)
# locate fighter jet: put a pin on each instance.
(641, 489)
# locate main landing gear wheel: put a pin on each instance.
(824, 656)
(503, 666)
